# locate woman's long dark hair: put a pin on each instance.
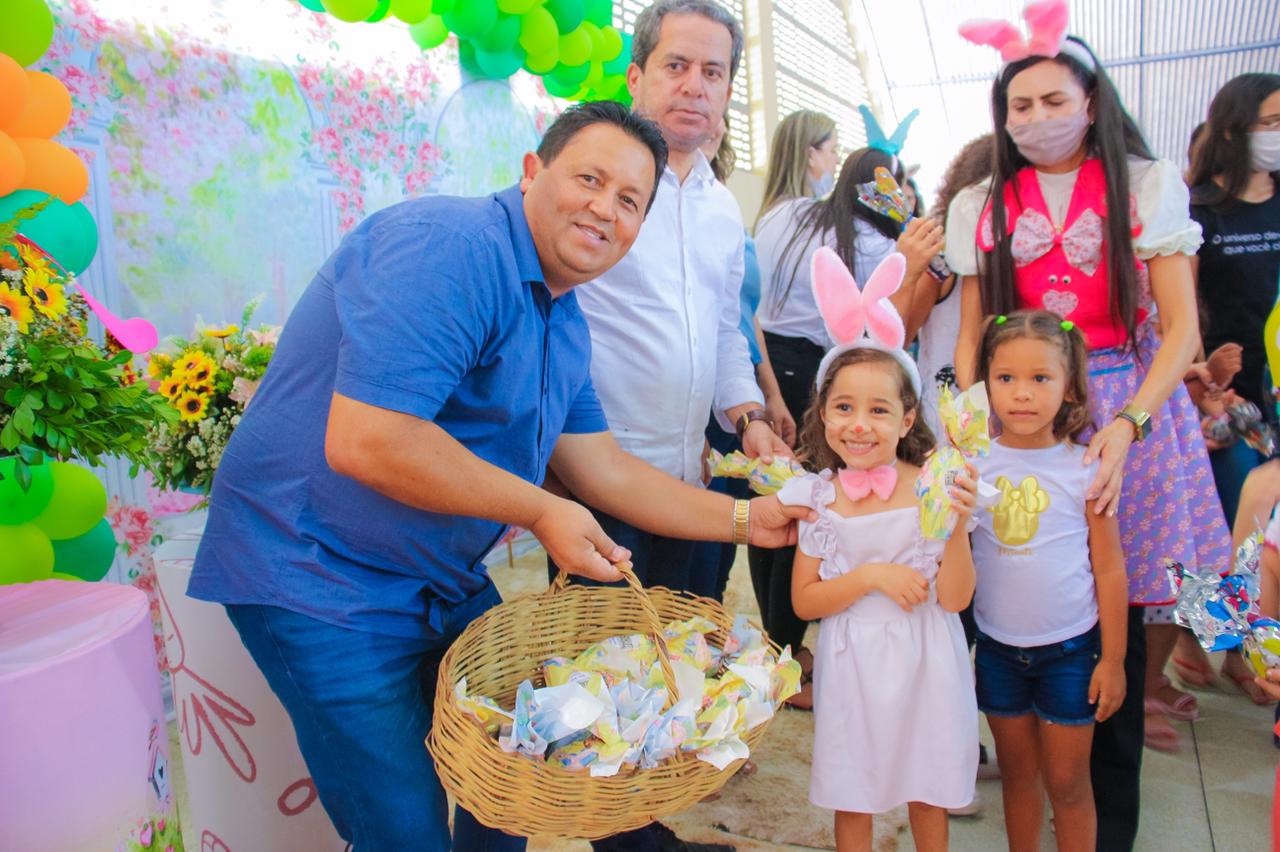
(837, 213)
(1113, 137)
(1221, 150)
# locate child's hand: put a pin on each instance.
(920, 240)
(1225, 362)
(1106, 688)
(1270, 684)
(904, 586)
(964, 493)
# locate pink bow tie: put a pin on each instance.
(859, 483)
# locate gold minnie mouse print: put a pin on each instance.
(1017, 516)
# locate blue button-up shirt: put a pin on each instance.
(435, 308)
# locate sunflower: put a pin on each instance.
(170, 388)
(195, 368)
(191, 406)
(16, 307)
(33, 258)
(46, 295)
(222, 332)
(158, 365)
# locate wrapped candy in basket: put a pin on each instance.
(1222, 611)
(585, 711)
(966, 423)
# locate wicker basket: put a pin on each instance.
(507, 645)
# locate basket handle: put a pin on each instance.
(650, 614)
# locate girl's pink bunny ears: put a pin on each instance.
(861, 319)
(1047, 23)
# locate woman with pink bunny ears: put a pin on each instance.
(896, 721)
(1080, 219)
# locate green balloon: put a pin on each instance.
(411, 11)
(58, 575)
(541, 63)
(313, 5)
(439, 7)
(380, 11)
(538, 33)
(87, 556)
(16, 505)
(575, 47)
(557, 88)
(499, 65)
(595, 73)
(567, 14)
(350, 11)
(66, 231)
(429, 32)
(517, 7)
(570, 75)
(598, 12)
(620, 63)
(26, 554)
(501, 37)
(472, 18)
(26, 30)
(77, 504)
(611, 47)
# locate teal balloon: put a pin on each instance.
(87, 556)
(467, 58)
(472, 18)
(502, 36)
(430, 32)
(66, 231)
(499, 65)
(313, 5)
(598, 12)
(567, 13)
(77, 504)
(620, 63)
(384, 6)
(26, 554)
(17, 506)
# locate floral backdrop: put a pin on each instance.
(231, 144)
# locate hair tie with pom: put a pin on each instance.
(1002, 319)
(1067, 325)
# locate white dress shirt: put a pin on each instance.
(665, 344)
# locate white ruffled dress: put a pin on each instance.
(896, 719)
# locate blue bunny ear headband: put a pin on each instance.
(891, 145)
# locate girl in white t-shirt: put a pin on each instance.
(1050, 602)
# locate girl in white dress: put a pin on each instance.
(896, 720)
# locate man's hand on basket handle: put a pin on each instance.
(574, 541)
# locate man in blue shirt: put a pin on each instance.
(430, 373)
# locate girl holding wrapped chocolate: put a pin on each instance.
(1080, 219)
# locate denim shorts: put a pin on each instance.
(1051, 681)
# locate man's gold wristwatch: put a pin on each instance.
(1140, 419)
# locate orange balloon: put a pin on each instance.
(48, 108)
(54, 169)
(13, 90)
(12, 164)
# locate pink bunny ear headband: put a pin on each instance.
(861, 319)
(1047, 23)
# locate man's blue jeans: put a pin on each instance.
(361, 706)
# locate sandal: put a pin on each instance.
(1162, 736)
(1184, 708)
(1194, 675)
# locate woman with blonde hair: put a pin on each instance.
(802, 159)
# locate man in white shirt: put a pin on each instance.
(666, 348)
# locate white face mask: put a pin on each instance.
(1265, 147)
(823, 185)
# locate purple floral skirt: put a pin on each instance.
(1169, 508)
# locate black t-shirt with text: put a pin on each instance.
(1239, 281)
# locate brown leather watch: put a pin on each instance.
(752, 415)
